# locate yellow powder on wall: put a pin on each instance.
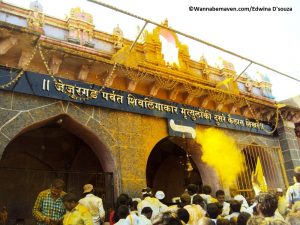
(221, 153)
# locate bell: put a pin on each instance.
(188, 166)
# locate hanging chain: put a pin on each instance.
(165, 83)
(218, 96)
(196, 91)
(132, 74)
(21, 73)
(59, 81)
(276, 118)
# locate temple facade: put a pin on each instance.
(92, 107)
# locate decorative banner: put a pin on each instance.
(90, 94)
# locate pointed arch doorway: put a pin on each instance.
(171, 167)
(58, 147)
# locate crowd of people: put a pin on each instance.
(54, 207)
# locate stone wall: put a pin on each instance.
(290, 147)
(128, 137)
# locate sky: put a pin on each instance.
(271, 37)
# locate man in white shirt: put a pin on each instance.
(93, 203)
(238, 197)
(293, 192)
(144, 218)
(206, 189)
(235, 207)
(220, 196)
(192, 191)
(123, 213)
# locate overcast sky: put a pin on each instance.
(269, 37)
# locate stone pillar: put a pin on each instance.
(289, 147)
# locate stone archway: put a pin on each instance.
(43, 150)
(99, 147)
(166, 167)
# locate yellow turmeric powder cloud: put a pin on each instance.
(221, 152)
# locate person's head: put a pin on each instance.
(212, 210)
(123, 199)
(70, 201)
(220, 195)
(134, 205)
(235, 206)
(183, 214)
(243, 218)
(146, 192)
(192, 189)
(88, 188)
(206, 189)
(297, 174)
(266, 204)
(198, 200)
(147, 211)
(160, 195)
(123, 211)
(293, 218)
(185, 199)
(279, 192)
(223, 221)
(57, 187)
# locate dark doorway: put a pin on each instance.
(37, 156)
(167, 168)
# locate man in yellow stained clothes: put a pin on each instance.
(93, 203)
(195, 211)
(149, 201)
(77, 214)
(282, 203)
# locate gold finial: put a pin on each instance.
(165, 23)
(117, 31)
(203, 59)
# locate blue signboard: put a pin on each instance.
(90, 94)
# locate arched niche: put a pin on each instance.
(55, 147)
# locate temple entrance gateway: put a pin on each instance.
(45, 151)
(170, 167)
